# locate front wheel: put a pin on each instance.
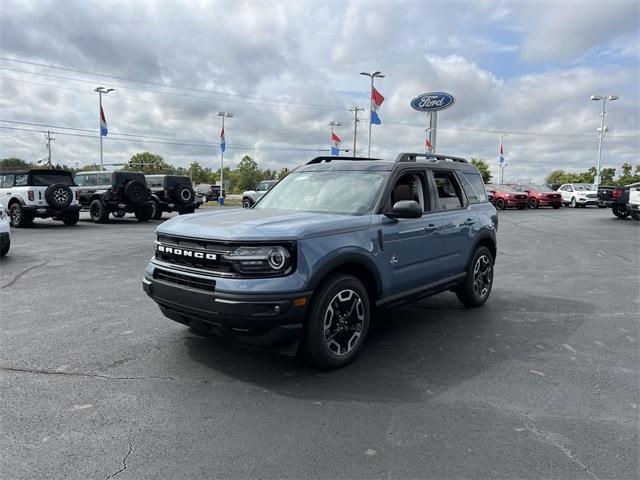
(620, 211)
(533, 203)
(573, 203)
(246, 203)
(18, 217)
(500, 205)
(477, 286)
(337, 322)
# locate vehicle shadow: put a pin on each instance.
(412, 352)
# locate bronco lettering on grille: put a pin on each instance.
(182, 252)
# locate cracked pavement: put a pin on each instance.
(542, 382)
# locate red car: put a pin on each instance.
(541, 196)
(505, 196)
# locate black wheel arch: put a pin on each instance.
(14, 200)
(487, 238)
(351, 263)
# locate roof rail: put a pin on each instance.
(429, 157)
(330, 159)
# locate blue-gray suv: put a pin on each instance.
(332, 241)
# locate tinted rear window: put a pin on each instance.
(473, 187)
(175, 181)
(46, 179)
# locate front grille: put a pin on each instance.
(521, 197)
(200, 254)
(184, 280)
(592, 195)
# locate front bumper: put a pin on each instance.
(258, 319)
(46, 212)
(516, 203)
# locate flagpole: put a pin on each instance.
(372, 75)
(220, 196)
(100, 125)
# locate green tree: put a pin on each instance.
(282, 173)
(247, 174)
(607, 176)
(13, 163)
(149, 163)
(560, 176)
(483, 166)
(197, 173)
(628, 174)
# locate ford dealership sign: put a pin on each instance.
(432, 102)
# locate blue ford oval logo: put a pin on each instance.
(431, 102)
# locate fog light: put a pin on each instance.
(276, 309)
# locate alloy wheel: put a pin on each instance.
(482, 273)
(343, 322)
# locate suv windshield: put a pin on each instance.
(342, 192)
(46, 179)
(583, 186)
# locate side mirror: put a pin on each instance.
(405, 209)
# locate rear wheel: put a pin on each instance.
(18, 217)
(533, 203)
(620, 211)
(156, 213)
(477, 286)
(246, 203)
(98, 211)
(500, 205)
(143, 214)
(71, 219)
(337, 322)
(635, 214)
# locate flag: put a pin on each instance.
(223, 145)
(103, 123)
(501, 157)
(376, 101)
(335, 145)
(427, 145)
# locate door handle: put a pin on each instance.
(431, 227)
(468, 222)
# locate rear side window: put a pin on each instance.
(473, 187)
(46, 179)
(91, 179)
(448, 190)
(22, 180)
(104, 179)
(155, 181)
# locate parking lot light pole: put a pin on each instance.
(372, 75)
(602, 130)
(101, 90)
(222, 149)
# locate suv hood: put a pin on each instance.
(261, 225)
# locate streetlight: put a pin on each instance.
(372, 75)
(333, 124)
(502, 161)
(602, 130)
(101, 91)
(222, 149)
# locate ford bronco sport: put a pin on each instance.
(171, 193)
(117, 192)
(39, 193)
(333, 240)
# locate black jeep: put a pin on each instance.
(116, 192)
(171, 193)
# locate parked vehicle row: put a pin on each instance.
(30, 194)
(624, 201)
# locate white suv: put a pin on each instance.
(579, 194)
(39, 193)
(633, 205)
(5, 239)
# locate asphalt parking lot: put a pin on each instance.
(542, 382)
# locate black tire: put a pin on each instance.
(247, 203)
(119, 213)
(156, 211)
(602, 206)
(500, 205)
(5, 248)
(573, 203)
(71, 218)
(18, 217)
(185, 210)
(98, 211)
(143, 214)
(533, 203)
(346, 331)
(58, 195)
(521, 207)
(620, 211)
(635, 214)
(135, 192)
(183, 195)
(477, 286)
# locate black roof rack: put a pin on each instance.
(428, 157)
(330, 159)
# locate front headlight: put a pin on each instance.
(260, 260)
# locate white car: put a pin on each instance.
(579, 194)
(250, 197)
(633, 205)
(28, 194)
(5, 235)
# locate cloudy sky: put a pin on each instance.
(288, 68)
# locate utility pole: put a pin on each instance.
(355, 110)
(49, 140)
